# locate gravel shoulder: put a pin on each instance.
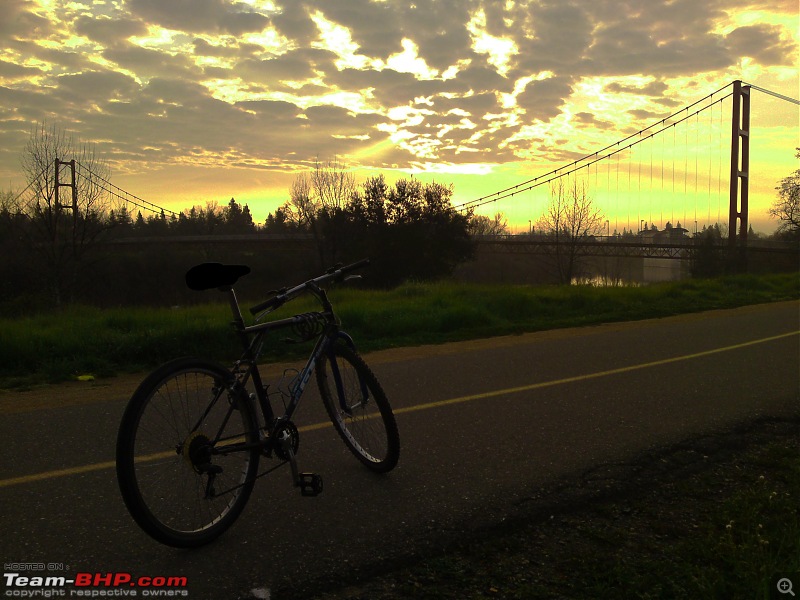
(645, 528)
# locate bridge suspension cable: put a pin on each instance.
(120, 194)
(771, 93)
(30, 183)
(105, 185)
(618, 147)
(573, 167)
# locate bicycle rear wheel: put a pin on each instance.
(358, 408)
(180, 471)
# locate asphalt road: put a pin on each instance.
(484, 426)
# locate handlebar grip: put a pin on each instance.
(356, 265)
(337, 274)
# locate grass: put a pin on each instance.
(724, 526)
(56, 346)
(737, 547)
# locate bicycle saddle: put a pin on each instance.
(206, 276)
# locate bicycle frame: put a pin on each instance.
(252, 338)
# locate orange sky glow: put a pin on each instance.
(195, 101)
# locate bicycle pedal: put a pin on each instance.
(310, 484)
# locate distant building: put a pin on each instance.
(668, 235)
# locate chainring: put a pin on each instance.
(285, 430)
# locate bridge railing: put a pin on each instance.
(677, 247)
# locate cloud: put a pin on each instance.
(555, 36)
(295, 65)
(109, 31)
(647, 115)
(10, 71)
(378, 83)
(294, 22)
(587, 118)
(200, 15)
(653, 88)
(227, 47)
(437, 28)
(387, 87)
(18, 19)
(543, 99)
(149, 62)
(763, 43)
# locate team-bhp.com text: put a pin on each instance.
(94, 585)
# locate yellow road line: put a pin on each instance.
(59, 473)
(554, 382)
(429, 405)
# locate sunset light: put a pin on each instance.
(191, 102)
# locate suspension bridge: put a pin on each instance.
(687, 171)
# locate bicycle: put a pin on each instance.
(191, 436)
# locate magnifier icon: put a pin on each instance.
(785, 586)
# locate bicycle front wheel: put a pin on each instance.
(358, 408)
(186, 453)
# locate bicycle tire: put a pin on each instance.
(164, 453)
(372, 436)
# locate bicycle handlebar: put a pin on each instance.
(335, 274)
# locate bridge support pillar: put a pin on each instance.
(73, 204)
(72, 184)
(739, 181)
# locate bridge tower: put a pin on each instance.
(74, 200)
(739, 182)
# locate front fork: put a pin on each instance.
(337, 376)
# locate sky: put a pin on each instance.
(196, 101)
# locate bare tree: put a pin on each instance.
(66, 204)
(570, 219)
(9, 202)
(332, 184)
(320, 194)
(301, 207)
(787, 207)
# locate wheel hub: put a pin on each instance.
(197, 450)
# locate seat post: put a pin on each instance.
(238, 321)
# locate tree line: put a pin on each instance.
(410, 229)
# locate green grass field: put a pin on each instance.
(57, 346)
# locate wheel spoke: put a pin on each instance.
(166, 456)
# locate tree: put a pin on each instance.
(483, 225)
(709, 252)
(63, 222)
(332, 184)
(409, 230)
(121, 220)
(324, 192)
(570, 218)
(238, 219)
(279, 222)
(787, 207)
